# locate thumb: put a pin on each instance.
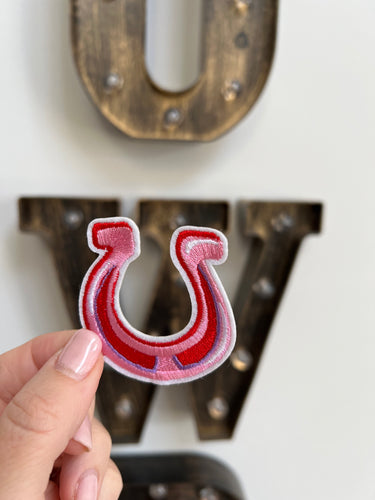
(44, 415)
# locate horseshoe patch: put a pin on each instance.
(206, 341)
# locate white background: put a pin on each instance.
(307, 431)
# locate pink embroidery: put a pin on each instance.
(205, 342)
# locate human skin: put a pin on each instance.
(52, 447)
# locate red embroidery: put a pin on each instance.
(194, 351)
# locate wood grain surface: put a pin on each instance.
(238, 46)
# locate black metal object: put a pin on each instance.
(177, 477)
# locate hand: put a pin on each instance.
(51, 447)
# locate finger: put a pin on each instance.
(112, 483)
(52, 492)
(86, 472)
(43, 416)
(28, 359)
(82, 439)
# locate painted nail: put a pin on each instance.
(84, 435)
(79, 355)
(87, 488)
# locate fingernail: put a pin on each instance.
(84, 435)
(87, 488)
(80, 354)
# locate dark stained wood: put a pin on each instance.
(123, 403)
(275, 231)
(169, 310)
(63, 223)
(238, 46)
(170, 306)
(184, 476)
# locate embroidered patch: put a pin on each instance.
(206, 341)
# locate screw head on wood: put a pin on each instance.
(124, 408)
(241, 359)
(158, 491)
(218, 408)
(264, 288)
(173, 117)
(242, 40)
(282, 222)
(231, 90)
(113, 82)
(73, 218)
(177, 221)
(208, 494)
(243, 5)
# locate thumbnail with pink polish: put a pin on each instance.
(80, 354)
(88, 486)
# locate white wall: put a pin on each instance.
(307, 430)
